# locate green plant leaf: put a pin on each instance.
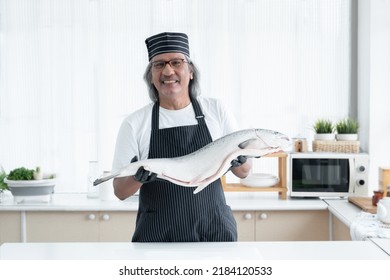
(347, 126)
(21, 173)
(3, 186)
(323, 126)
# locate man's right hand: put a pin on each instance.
(143, 176)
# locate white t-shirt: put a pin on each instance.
(134, 134)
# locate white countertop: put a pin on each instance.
(317, 250)
(343, 210)
(237, 201)
(384, 244)
(302, 250)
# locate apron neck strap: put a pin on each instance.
(199, 116)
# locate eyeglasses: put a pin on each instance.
(175, 63)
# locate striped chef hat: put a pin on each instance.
(167, 42)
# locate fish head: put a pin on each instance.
(273, 139)
(266, 140)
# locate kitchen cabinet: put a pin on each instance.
(118, 226)
(74, 218)
(10, 226)
(341, 232)
(79, 226)
(282, 225)
(245, 225)
(292, 225)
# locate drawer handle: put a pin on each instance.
(248, 216)
(105, 217)
(263, 216)
(91, 217)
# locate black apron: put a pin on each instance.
(171, 213)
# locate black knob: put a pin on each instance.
(362, 168)
(361, 182)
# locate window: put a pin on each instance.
(71, 70)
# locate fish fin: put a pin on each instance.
(200, 187)
(245, 144)
(195, 180)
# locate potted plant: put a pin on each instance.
(3, 186)
(324, 130)
(347, 129)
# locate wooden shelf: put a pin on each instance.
(281, 187)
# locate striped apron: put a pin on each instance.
(171, 213)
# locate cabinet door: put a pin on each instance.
(245, 225)
(10, 229)
(340, 230)
(116, 226)
(58, 226)
(292, 225)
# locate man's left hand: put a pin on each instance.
(240, 160)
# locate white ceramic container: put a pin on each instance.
(106, 189)
(347, 137)
(383, 210)
(260, 180)
(324, 136)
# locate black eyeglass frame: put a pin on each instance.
(161, 67)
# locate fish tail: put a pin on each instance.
(104, 179)
(200, 188)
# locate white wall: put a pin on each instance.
(374, 83)
(71, 70)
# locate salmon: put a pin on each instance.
(211, 162)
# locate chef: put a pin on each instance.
(177, 122)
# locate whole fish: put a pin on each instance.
(211, 162)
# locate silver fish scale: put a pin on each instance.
(210, 162)
(227, 138)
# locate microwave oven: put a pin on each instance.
(317, 174)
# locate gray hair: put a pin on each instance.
(193, 87)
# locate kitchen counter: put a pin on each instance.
(345, 211)
(85, 209)
(256, 214)
(302, 250)
(384, 244)
(375, 249)
(237, 201)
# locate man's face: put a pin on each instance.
(173, 79)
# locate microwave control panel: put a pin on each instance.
(361, 171)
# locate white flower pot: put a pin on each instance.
(347, 137)
(324, 136)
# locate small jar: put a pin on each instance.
(378, 195)
(300, 145)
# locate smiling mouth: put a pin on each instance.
(170, 81)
